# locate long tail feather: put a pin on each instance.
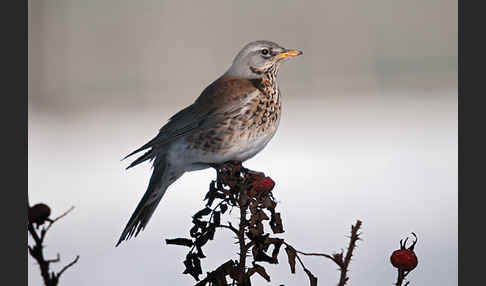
(161, 178)
(147, 204)
(145, 146)
(146, 156)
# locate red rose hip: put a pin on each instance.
(265, 184)
(39, 213)
(404, 259)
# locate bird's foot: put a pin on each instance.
(236, 169)
(254, 173)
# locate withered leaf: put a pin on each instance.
(211, 231)
(262, 216)
(220, 278)
(190, 268)
(268, 203)
(259, 227)
(212, 186)
(210, 197)
(229, 267)
(211, 194)
(253, 207)
(201, 240)
(197, 264)
(260, 255)
(253, 231)
(260, 270)
(253, 219)
(200, 253)
(276, 250)
(312, 278)
(291, 254)
(193, 230)
(179, 241)
(217, 218)
(223, 208)
(276, 223)
(203, 212)
(201, 224)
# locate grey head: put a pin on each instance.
(258, 58)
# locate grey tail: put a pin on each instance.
(146, 156)
(146, 207)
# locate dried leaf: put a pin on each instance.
(211, 194)
(203, 212)
(193, 231)
(212, 186)
(260, 270)
(217, 218)
(259, 228)
(200, 253)
(210, 197)
(252, 232)
(253, 207)
(276, 250)
(223, 208)
(269, 204)
(190, 268)
(253, 219)
(312, 278)
(291, 255)
(179, 241)
(262, 216)
(211, 231)
(276, 223)
(260, 255)
(197, 264)
(201, 240)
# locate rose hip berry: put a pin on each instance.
(405, 258)
(264, 184)
(39, 213)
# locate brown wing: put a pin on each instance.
(224, 96)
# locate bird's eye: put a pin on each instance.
(265, 52)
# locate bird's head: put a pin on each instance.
(258, 58)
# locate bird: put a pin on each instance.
(232, 120)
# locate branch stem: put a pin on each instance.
(241, 238)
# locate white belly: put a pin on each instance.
(195, 159)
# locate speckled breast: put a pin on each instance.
(244, 133)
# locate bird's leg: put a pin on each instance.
(233, 167)
(219, 173)
(237, 167)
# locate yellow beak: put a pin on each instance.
(289, 53)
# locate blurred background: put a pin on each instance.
(369, 130)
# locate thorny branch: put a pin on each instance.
(251, 193)
(401, 277)
(50, 278)
(405, 260)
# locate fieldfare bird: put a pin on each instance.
(232, 120)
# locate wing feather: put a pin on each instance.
(224, 96)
